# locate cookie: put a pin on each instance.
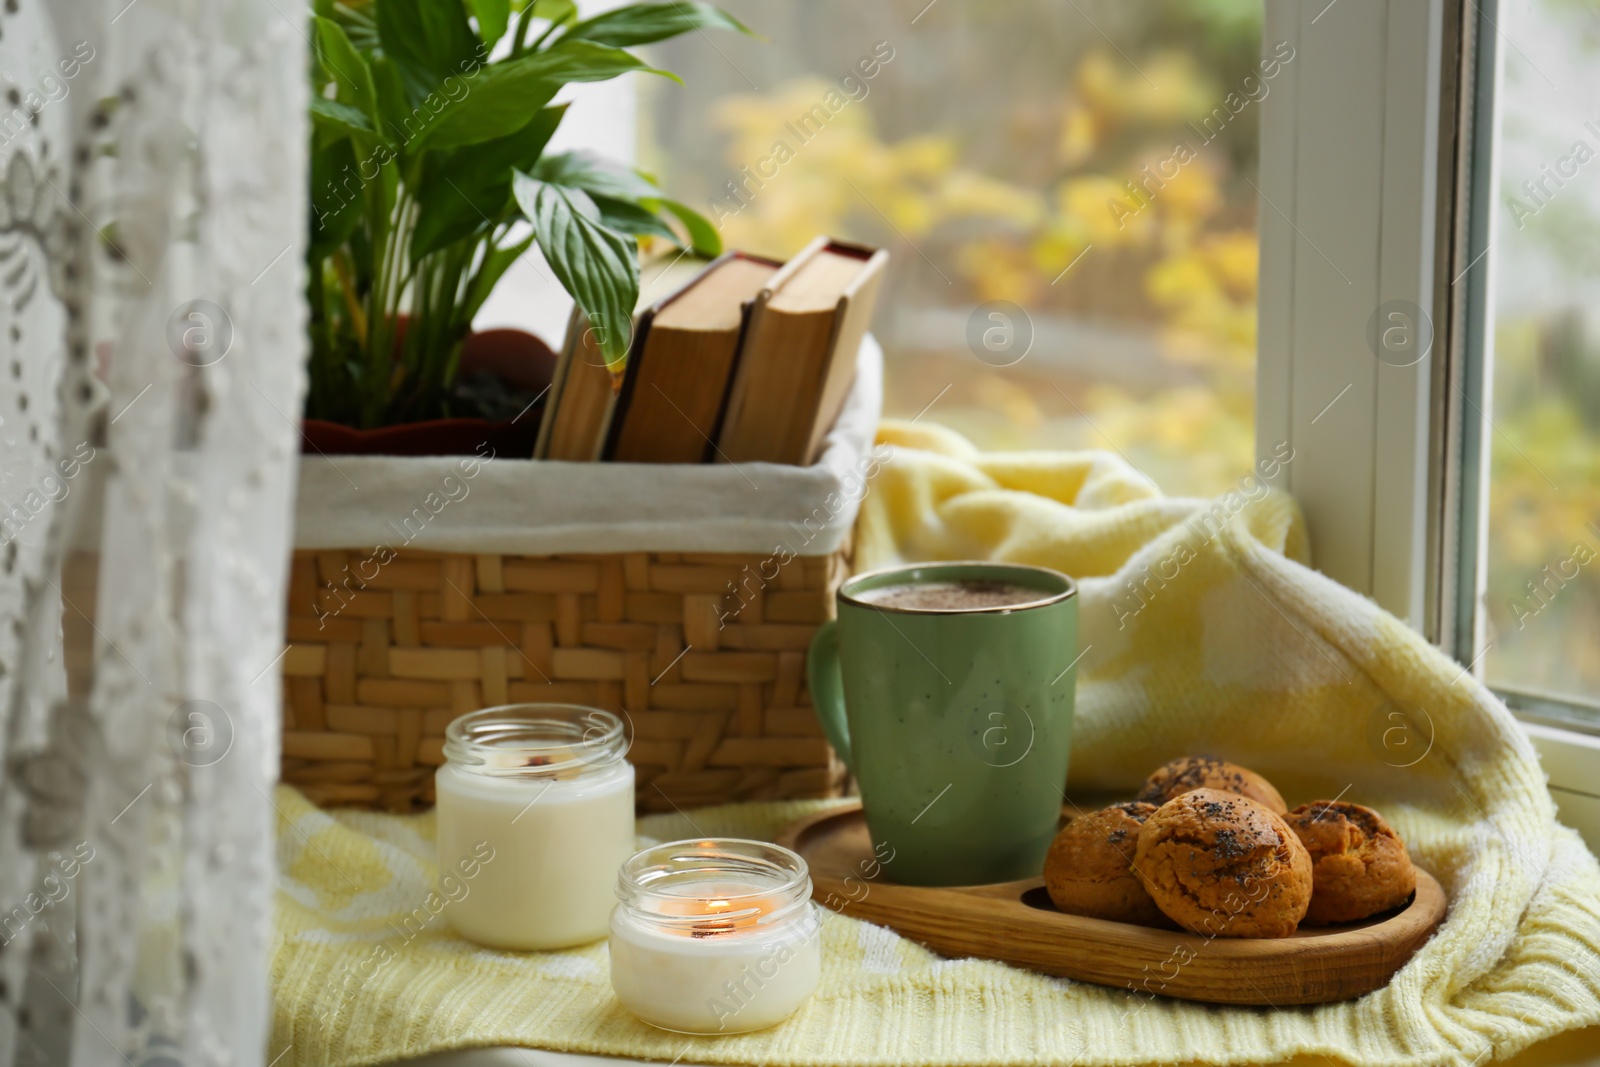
(1087, 870)
(1359, 865)
(1202, 772)
(1223, 865)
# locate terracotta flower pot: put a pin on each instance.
(520, 360)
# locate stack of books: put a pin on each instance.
(748, 360)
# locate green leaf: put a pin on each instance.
(556, 11)
(395, 119)
(454, 214)
(499, 98)
(609, 183)
(429, 41)
(492, 15)
(598, 266)
(356, 18)
(332, 115)
(646, 23)
(335, 208)
(347, 67)
(625, 216)
(586, 61)
(323, 135)
(469, 188)
(521, 149)
(594, 174)
(703, 236)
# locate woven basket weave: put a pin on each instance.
(704, 653)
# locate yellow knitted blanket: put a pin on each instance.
(1204, 631)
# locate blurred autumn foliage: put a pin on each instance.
(1008, 179)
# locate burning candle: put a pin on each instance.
(714, 936)
(535, 812)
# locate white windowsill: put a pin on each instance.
(1572, 760)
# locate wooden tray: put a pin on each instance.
(1014, 922)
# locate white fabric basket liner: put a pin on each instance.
(544, 507)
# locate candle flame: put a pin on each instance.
(711, 916)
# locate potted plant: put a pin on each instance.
(434, 575)
(426, 155)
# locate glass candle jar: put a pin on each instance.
(535, 814)
(715, 937)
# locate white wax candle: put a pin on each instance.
(716, 955)
(545, 848)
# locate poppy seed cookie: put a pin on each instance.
(1203, 772)
(1088, 870)
(1223, 865)
(1359, 865)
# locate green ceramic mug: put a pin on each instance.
(955, 720)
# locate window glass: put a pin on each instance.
(1542, 431)
(1065, 188)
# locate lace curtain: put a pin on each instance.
(152, 211)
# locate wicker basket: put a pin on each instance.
(704, 653)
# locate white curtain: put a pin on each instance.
(152, 323)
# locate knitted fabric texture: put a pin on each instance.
(1204, 631)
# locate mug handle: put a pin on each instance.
(827, 689)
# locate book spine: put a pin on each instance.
(630, 378)
(746, 313)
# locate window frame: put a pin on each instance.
(1371, 150)
(1349, 220)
